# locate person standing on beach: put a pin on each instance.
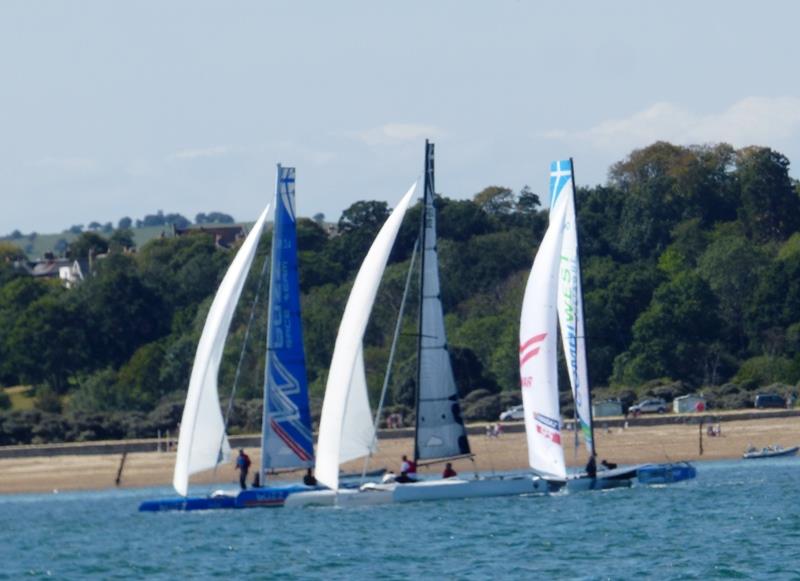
(243, 466)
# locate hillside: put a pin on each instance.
(690, 260)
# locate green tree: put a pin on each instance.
(673, 337)
(770, 206)
(121, 239)
(87, 243)
(48, 342)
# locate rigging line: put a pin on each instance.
(386, 376)
(241, 356)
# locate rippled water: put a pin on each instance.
(736, 520)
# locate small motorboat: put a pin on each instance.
(769, 452)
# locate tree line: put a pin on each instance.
(690, 260)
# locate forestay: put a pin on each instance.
(538, 349)
(440, 429)
(570, 298)
(345, 429)
(202, 442)
(286, 431)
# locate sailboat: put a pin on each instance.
(553, 295)
(440, 433)
(286, 426)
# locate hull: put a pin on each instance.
(665, 473)
(605, 480)
(268, 496)
(443, 489)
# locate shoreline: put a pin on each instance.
(638, 444)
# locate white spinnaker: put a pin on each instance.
(202, 436)
(358, 430)
(538, 350)
(570, 315)
(345, 410)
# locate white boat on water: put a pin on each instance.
(346, 429)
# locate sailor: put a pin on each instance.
(409, 467)
(243, 466)
(448, 471)
(309, 479)
(608, 465)
(404, 478)
(591, 466)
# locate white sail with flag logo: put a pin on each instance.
(538, 349)
(570, 298)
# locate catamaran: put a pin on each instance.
(552, 295)
(346, 427)
(554, 292)
(286, 425)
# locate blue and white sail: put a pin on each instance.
(570, 296)
(286, 431)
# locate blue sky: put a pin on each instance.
(112, 109)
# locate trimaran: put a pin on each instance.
(286, 441)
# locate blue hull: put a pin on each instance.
(666, 473)
(268, 496)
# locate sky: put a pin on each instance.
(113, 109)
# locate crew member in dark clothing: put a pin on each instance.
(309, 479)
(243, 466)
(591, 467)
(448, 471)
(608, 465)
(404, 478)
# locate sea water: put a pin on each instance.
(736, 520)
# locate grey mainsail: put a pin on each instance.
(440, 429)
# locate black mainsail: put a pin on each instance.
(440, 431)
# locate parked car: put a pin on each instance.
(769, 400)
(515, 413)
(649, 406)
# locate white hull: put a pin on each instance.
(443, 489)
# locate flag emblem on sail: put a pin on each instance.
(560, 176)
(530, 348)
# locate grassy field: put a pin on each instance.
(36, 245)
(21, 397)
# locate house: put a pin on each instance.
(73, 274)
(225, 236)
(688, 404)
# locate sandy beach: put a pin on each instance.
(508, 452)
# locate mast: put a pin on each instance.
(427, 185)
(582, 310)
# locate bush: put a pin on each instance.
(486, 408)
(5, 400)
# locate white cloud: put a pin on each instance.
(391, 133)
(751, 121)
(192, 154)
(81, 165)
